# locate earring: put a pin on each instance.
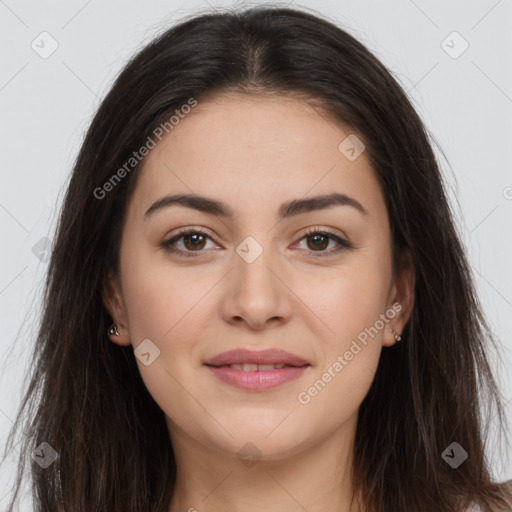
(397, 337)
(112, 331)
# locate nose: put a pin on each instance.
(256, 293)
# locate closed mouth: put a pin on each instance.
(252, 367)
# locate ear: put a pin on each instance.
(113, 302)
(402, 292)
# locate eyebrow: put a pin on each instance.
(286, 210)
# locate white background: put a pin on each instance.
(47, 104)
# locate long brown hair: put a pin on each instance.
(85, 397)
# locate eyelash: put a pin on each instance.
(167, 244)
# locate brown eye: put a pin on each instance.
(194, 241)
(318, 241)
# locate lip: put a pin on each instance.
(269, 356)
(257, 380)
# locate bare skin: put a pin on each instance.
(255, 154)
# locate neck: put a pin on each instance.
(315, 478)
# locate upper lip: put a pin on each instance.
(269, 356)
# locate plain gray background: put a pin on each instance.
(47, 102)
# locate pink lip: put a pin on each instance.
(269, 356)
(258, 380)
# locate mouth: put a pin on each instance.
(252, 367)
(256, 371)
(253, 377)
(244, 357)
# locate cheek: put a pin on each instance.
(348, 304)
(161, 297)
(349, 332)
(164, 306)
(345, 301)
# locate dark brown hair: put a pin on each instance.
(85, 397)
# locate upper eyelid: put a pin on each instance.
(202, 231)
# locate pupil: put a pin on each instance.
(316, 239)
(195, 238)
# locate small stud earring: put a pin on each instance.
(397, 337)
(113, 331)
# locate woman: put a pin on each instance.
(257, 299)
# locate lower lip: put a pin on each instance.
(257, 380)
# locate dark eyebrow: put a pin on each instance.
(289, 209)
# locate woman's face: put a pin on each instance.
(255, 279)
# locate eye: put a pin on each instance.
(318, 240)
(194, 241)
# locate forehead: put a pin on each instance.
(253, 152)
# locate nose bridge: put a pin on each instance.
(255, 293)
(252, 265)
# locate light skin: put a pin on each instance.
(253, 154)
